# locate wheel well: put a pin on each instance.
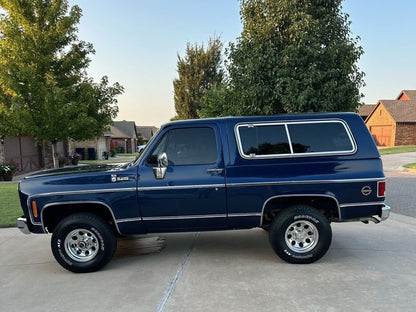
(328, 206)
(52, 215)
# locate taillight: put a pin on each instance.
(381, 188)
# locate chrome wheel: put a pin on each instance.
(301, 236)
(81, 245)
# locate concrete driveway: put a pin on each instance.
(368, 268)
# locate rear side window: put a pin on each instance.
(264, 140)
(322, 137)
(268, 140)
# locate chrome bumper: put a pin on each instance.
(385, 213)
(22, 225)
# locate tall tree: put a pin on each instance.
(198, 72)
(294, 56)
(44, 88)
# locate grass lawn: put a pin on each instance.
(397, 149)
(410, 166)
(10, 208)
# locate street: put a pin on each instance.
(401, 195)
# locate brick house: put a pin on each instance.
(393, 122)
(124, 136)
(92, 149)
(25, 154)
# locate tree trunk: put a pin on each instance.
(55, 155)
(41, 156)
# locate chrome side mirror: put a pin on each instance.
(160, 170)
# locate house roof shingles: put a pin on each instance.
(146, 131)
(366, 110)
(411, 94)
(401, 111)
(127, 127)
(117, 133)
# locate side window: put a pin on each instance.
(320, 137)
(263, 140)
(187, 146)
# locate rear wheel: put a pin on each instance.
(300, 234)
(83, 243)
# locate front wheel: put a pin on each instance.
(83, 243)
(300, 234)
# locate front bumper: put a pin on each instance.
(22, 225)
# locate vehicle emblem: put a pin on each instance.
(366, 190)
(113, 178)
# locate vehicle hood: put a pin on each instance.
(68, 170)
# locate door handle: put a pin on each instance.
(215, 170)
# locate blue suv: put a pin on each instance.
(291, 175)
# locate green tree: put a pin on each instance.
(294, 56)
(216, 102)
(44, 88)
(198, 71)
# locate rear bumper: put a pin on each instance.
(22, 225)
(385, 213)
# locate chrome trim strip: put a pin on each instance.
(361, 204)
(160, 218)
(300, 195)
(76, 202)
(127, 189)
(248, 214)
(289, 139)
(179, 187)
(128, 220)
(304, 182)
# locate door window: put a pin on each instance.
(187, 146)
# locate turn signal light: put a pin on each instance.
(35, 209)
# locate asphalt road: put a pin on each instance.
(401, 195)
(401, 185)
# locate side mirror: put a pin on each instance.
(160, 170)
(162, 160)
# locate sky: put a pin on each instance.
(137, 43)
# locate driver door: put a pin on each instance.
(182, 181)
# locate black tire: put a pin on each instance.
(83, 243)
(300, 234)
